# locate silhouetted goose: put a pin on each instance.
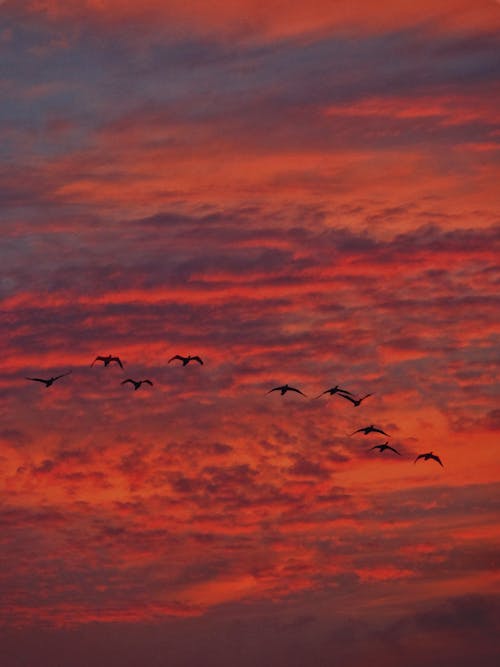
(335, 390)
(370, 429)
(428, 456)
(186, 360)
(137, 383)
(50, 381)
(107, 360)
(355, 401)
(284, 388)
(385, 446)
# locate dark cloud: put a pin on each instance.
(306, 468)
(468, 612)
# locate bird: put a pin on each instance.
(385, 446)
(355, 401)
(369, 429)
(50, 381)
(186, 360)
(286, 388)
(335, 390)
(107, 360)
(428, 456)
(137, 383)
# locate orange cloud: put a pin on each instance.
(277, 18)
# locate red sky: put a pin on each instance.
(302, 193)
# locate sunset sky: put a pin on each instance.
(298, 192)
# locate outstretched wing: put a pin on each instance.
(118, 361)
(360, 430)
(365, 396)
(177, 356)
(420, 456)
(436, 458)
(98, 359)
(376, 447)
(147, 382)
(198, 359)
(344, 392)
(379, 430)
(348, 398)
(275, 389)
(61, 376)
(37, 380)
(322, 393)
(394, 450)
(297, 390)
(127, 380)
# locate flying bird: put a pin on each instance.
(286, 388)
(107, 360)
(335, 390)
(51, 380)
(370, 429)
(137, 383)
(355, 401)
(186, 360)
(428, 456)
(385, 446)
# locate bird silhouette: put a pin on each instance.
(385, 446)
(107, 360)
(428, 456)
(137, 383)
(355, 401)
(335, 390)
(284, 388)
(186, 360)
(50, 381)
(369, 429)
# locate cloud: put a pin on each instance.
(312, 203)
(468, 612)
(249, 18)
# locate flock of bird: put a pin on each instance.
(283, 389)
(349, 396)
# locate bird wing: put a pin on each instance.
(323, 392)
(348, 398)
(37, 379)
(198, 359)
(147, 382)
(297, 390)
(360, 430)
(118, 361)
(365, 396)
(62, 375)
(345, 392)
(177, 356)
(127, 380)
(420, 456)
(275, 389)
(379, 430)
(436, 458)
(394, 450)
(376, 447)
(98, 359)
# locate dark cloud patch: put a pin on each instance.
(306, 468)
(16, 437)
(467, 612)
(221, 478)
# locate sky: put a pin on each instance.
(299, 193)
